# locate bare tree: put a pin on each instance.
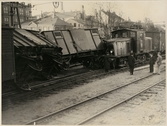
(148, 25)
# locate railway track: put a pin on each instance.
(86, 110)
(14, 97)
(38, 84)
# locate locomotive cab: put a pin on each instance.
(125, 40)
(139, 44)
(119, 50)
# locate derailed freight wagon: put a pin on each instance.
(82, 46)
(126, 40)
(26, 56)
(159, 41)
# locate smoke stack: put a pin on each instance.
(83, 12)
(62, 7)
(96, 14)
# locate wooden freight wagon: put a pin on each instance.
(158, 40)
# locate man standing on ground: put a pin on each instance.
(151, 62)
(131, 63)
(107, 62)
(159, 61)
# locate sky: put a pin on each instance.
(136, 10)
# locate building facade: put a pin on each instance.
(9, 13)
(46, 23)
(76, 23)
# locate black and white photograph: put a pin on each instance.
(83, 62)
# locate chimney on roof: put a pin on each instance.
(62, 7)
(83, 13)
(96, 14)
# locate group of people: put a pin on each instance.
(155, 62)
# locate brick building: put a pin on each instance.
(9, 15)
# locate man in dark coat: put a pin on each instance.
(151, 62)
(106, 62)
(131, 63)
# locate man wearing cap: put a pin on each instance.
(151, 62)
(131, 62)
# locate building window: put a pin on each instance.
(78, 25)
(132, 34)
(21, 11)
(27, 12)
(5, 9)
(16, 19)
(44, 28)
(21, 20)
(75, 25)
(15, 11)
(6, 19)
(124, 35)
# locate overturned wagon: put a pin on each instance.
(82, 46)
(26, 56)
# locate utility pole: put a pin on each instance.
(13, 6)
(100, 16)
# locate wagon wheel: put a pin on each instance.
(139, 59)
(35, 65)
(125, 62)
(66, 65)
(98, 62)
(22, 80)
(101, 61)
(46, 75)
(114, 64)
(21, 84)
(86, 63)
(144, 58)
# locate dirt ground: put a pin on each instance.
(154, 108)
(138, 111)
